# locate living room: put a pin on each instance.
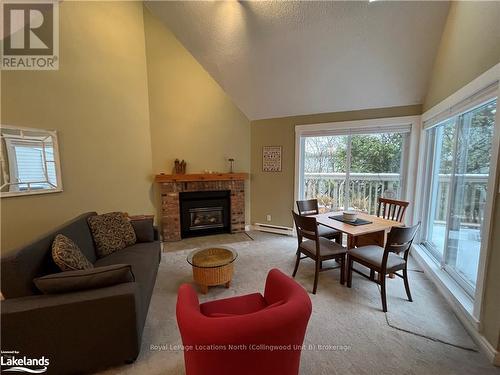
(193, 130)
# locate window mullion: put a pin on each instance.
(347, 173)
(451, 194)
(436, 140)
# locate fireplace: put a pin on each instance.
(172, 186)
(204, 212)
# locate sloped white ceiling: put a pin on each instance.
(279, 59)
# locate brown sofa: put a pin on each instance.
(78, 331)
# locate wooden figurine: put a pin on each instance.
(179, 167)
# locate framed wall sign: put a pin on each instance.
(271, 158)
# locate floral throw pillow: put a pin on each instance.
(111, 232)
(68, 256)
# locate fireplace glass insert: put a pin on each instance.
(204, 212)
(206, 217)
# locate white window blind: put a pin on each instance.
(31, 166)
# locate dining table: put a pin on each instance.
(374, 232)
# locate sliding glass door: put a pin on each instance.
(443, 144)
(458, 154)
(346, 170)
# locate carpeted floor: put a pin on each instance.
(195, 242)
(422, 337)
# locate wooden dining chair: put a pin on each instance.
(392, 209)
(385, 260)
(310, 207)
(389, 209)
(319, 249)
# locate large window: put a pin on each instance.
(351, 170)
(458, 158)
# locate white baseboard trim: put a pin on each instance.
(460, 306)
(248, 227)
(270, 228)
(488, 349)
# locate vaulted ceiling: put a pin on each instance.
(289, 58)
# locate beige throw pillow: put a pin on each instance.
(111, 232)
(67, 255)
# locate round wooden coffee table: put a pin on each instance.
(212, 266)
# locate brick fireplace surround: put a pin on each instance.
(172, 185)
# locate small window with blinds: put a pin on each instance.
(29, 161)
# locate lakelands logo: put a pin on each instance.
(11, 361)
(30, 35)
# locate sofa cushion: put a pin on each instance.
(97, 277)
(144, 259)
(111, 232)
(20, 266)
(68, 256)
(144, 230)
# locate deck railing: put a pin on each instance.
(473, 199)
(365, 188)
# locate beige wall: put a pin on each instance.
(272, 193)
(191, 117)
(470, 45)
(98, 103)
(111, 143)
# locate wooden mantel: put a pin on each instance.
(200, 177)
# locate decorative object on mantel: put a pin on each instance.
(200, 177)
(179, 166)
(231, 164)
(271, 159)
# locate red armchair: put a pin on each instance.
(251, 334)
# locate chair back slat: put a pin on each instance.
(306, 227)
(308, 207)
(397, 211)
(392, 209)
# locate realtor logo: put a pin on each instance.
(30, 35)
(11, 361)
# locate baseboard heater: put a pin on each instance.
(273, 229)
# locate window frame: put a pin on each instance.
(367, 126)
(489, 80)
(10, 139)
(429, 134)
